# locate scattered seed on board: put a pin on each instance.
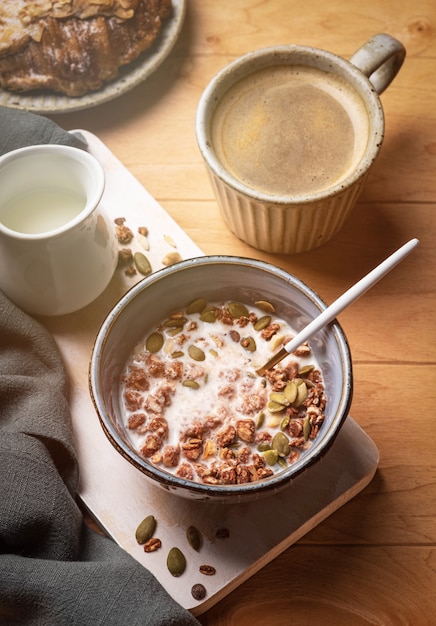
(152, 545)
(194, 538)
(125, 256)
(170, 241)
(143, 240)
(198, 591)
(176, 562)
(122, 232)
(142, 264)
(171, 258)
(146, 529)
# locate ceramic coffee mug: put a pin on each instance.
(58, 252)
(288, 135)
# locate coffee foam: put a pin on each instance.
(290, 130)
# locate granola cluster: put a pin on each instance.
(195, 405)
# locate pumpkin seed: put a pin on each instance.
(262, 322)
(154, 342)
(177, 354)
(142, 264)
(306, 369)
(174, 322)
(290, 392)
(176, 562)
(275, 407)
(263, 446)
(196, 353)
(279, 398)
(249, 344)
(264, 305)
(176, 315)
(209, 316)
(146, 529)
(284, 423)
(301, 394)
(191, 383)
(282, 462)
(196, 306)
(260, 418)
(271, 456)
(237, 310)
(194, 538)
(274, 421)
(280, 443)
(213, 352)
(172, 332)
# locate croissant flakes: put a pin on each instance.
(73, 46)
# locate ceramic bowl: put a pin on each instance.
(217, 278)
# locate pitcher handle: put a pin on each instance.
(380, 59)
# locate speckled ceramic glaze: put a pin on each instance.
(285, 223)
(216, 278)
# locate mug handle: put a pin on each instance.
(380, 59)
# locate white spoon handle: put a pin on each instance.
(350, 296)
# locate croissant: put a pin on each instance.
(74, 46)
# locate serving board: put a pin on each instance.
(238, 539)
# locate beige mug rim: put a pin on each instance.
(275, 55)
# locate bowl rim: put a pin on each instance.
(170, 481)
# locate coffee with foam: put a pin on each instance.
(290, 130)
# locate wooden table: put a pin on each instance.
(374, 560)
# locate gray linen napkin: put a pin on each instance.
(54, 570)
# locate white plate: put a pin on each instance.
(130, 76)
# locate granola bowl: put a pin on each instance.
(173, 377)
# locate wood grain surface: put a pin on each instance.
(374, 560)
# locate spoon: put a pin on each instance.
(347, 298)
